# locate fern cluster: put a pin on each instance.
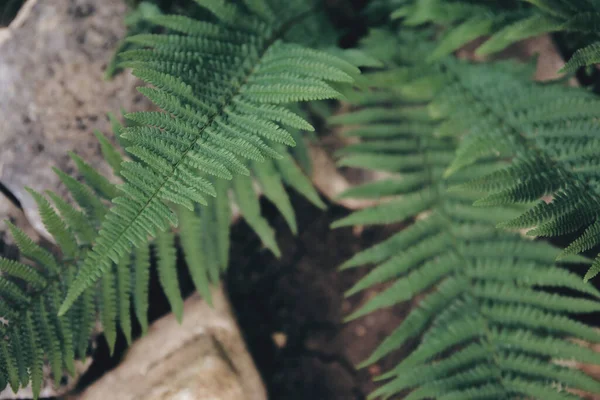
(490, 323)
(223, 84)
(506, 22)
(31, 292)
(495, 317)
(548, 131)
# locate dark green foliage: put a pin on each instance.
(31, 292)
(467, 148)
(210, 79)
(506, 22)
(36, 289)
(548, 130)
(489, 322)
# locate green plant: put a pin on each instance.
(207, 129)
(489, 323)
(497, 311)
(507, 22)
(549, 132)
(224, 81)
(31, 291)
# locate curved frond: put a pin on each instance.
(205, 79)
(488, 324)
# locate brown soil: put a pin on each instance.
(291, 309)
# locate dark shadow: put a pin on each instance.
(9, 10)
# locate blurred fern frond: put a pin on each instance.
(490, 321)
(504, 23)
(31, 289)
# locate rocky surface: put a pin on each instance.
(203, 358)
(52, 91)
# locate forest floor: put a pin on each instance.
(291, 309)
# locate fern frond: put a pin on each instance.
(587, 55)
(206, 248)
(506, 24)
(488, 324)
(522, 129)
(243, 57)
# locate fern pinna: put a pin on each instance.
(221, 83)
(492, 320)
(506, 22)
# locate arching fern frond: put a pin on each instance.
(547, 130)
(490, 323)
(26, 290)
(206, 79)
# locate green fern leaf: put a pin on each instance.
(585, 56)
(222, 212)
(63, 327)
(124, 297)
(167, 272)
(90, 203)
(20, 353)
(108, 309)
(141, 266)
(191, 242)
(109, 152)
(460, 35)
(11, 366)
(22, 271)
(37, 355)
(49, 339)
(273, 189)
(77, 220)
(57, 228)
(533, 26)
(94, 179)
(83, 321)
(247, 201)
(246, 57)
(486, 322)
(292, 175)
(33, 251)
